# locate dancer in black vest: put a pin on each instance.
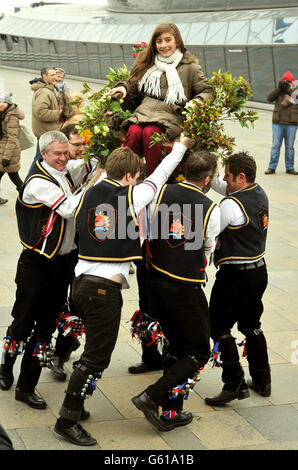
(45, 215)
(241, 280)
(182, 233)
(107, 222)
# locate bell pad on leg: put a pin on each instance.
(12, 347)
(44, 353)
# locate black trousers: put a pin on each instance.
(41, 293)
(63, 345)
(150, 354)
(236, 297)
(98, 302)
(182, 311)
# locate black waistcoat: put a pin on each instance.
(178, 232)
(246, 242)
(108, 228)
(41, 229)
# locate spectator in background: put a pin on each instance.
(46, 113)
(284, 124)
(60, 84)
(62, 94)
(10, 152)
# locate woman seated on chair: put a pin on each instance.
(164, 78)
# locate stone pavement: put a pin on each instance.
(254, 423)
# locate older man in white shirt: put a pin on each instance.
(45, 215)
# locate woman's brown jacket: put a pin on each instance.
(9, 143)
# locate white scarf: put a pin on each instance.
(151, 79)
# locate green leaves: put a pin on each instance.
(102, 118)
(204, 119)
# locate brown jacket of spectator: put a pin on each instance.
(9, 143)
(45, 109)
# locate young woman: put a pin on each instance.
(164, 78)
(10, 152)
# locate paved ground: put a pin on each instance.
(255, 423)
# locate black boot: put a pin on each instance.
(263, 390)
(74, 433)
(57, 369)
(6, 372)
(6, 378)
(225, 396)
(235, 386)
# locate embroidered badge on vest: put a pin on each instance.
(262, 218)
(176, 229)
(101, 222)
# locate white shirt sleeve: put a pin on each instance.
(147, 191)
(230, 214)
(219, 185)
(43, 191)
(230, 211)
(212, 231)
(78, 169)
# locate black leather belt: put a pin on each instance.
(243, 266)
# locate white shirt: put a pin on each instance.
(41, 190)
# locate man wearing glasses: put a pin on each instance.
(76, 142)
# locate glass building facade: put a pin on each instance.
(259, 45)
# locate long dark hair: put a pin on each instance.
(146, 58)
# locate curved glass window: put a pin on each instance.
(216, 33)
(260, 32)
